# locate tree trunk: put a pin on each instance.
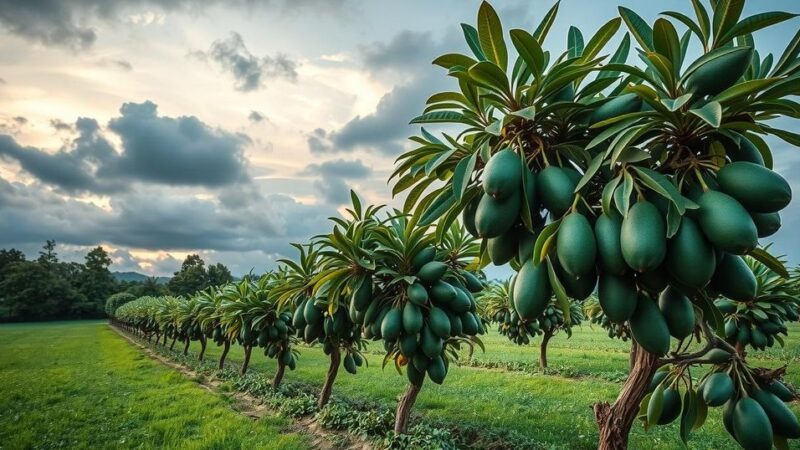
(247, 350)
(615, 421)
(543, 349)
(171, 346)
(165, 338)
(333, 369)
(404, 408)
(740, 350)
(203, 343)
(632, 357)
(186, 347)
(225, 351)
(276, 381)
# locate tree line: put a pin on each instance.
(47, 288)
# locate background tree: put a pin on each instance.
(95, 282)
(192, 277)
(218, 274)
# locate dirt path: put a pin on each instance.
(253, 407)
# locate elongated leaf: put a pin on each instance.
(726, 14)
(528, 113)
(788, 136)
(440, 117)
(638, 27)
(741, 90)
(619, 57)
(529, 50)
(711, 113)
(462, 174)
(755, 23)
(562, 300)
(548, 232)
(701, 414)
(489, 75)
(674, 104)
(608, 194)
(688, 414)
(574, 42)
(789, 55)
(656, 405)
(661, 185)
(702, 20)
(547, 21)
(690, 24)
(665, 41)
(600, 39)
(770, 261)
(490, 34)
(474, 43)
(444, 201)
(591, 170)
(454, 59)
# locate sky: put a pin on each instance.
(159, 128)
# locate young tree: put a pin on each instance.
(48, 253)
(653, 180)
(95, 280)
(191, 278)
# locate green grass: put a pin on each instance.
(80, 385)
(87, 385)
(553, 410)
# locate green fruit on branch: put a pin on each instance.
(556, 189)
(531, 290)
(678, 311)
(607, 231)
(412, 318)
(417, 294)
(767, 224)
(575, 245)
(751, 425)
(726, 224)
(734, 279)
(502, 175)
(717, 71)
(690, 257)
(717, 389)
(643, 237)
(782, 418)
(432, 272)
(758, 189)
(495, 217)
(649, 328)
(503, 248)
(618, 297)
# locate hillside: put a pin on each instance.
(136, 276)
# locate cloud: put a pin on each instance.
(406, 51)
(71, 24)
(249, 71)
(60, 125)
(256, 117)
(178, 151)
(332, 174)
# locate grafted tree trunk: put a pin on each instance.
(543, 349)
(404, 408)
(632, 357)
(615, 421)
(186, 347)
(247, 350)
(203, 342)
(225, 350)
(333, 369)
(276, 380)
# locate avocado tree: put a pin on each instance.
(496, 305)
(252, 317)
(652, 179)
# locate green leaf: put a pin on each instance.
(788, 136)
(608, 194)
(471, 36)
(690, 24)
(726, 14)
(711, 113)
(591, 170)
(546, 234)
(619, 57)
(770, 261)
(665, 41)
(454, 59)
(444, 201)
(656, 405)
(528, 113)
(789, 55)
(489, 75)
(700, 416)
(702, 20)
(676, 103)
(562, 300)
(688, 414)
(638, 27)
(661, 185)
(494, 128)
(574, 42)
(784, 87)
(490, 34)
(600, 39)
(756, 22)
(529, 50)
(462, 174)
(743, 89)
(439, 117)
(544, 26)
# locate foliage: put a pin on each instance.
(115, 301)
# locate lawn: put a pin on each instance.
(80, 385)
(83, 370)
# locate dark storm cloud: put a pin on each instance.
(332, 174)
(60, 125)
(181, 151)
(70, 24)
(256, 117)
(249, 71)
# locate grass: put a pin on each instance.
(95, 375)
(80, 385)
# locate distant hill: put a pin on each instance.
(136, 276)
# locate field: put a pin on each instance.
(79, 383)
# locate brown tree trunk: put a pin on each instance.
(225, 350)
(171, 346)
(186, 347)
(203, 343)
(632, 357)
(543, 349)
(740, 350)
(276, 381)
(247, 351)
(333, 369)
(165, 338)
(615, 421)
(404, 408)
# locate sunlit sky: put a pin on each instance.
(159, 128)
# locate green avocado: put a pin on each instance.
(643, 237)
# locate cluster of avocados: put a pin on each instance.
(314, 322)
(418, 318)
(272, 334)
(757, 328)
